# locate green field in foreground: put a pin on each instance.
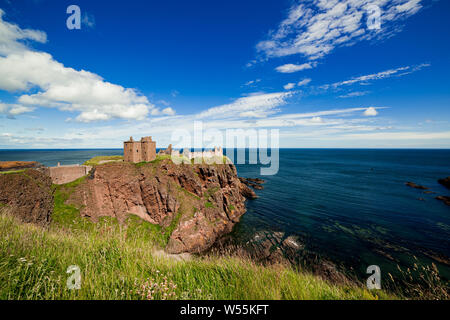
(119, 262)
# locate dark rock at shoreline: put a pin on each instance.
(415, 186)
(27, 195)
(247, 192)
(445, 182)
(255, 183)
(445, 199)
(256, 180)
(256, 186)
(274, 247)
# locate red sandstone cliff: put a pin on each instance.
(201, 202)
(28, 195)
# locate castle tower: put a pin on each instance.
(148, 149)
(132, 151)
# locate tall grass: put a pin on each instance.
(121, 262)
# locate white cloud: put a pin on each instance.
(354, 94)
(11, 110)
(168, 111)
(289, 86)
(371, 111)
(317, 120)
(304, 82)
(314, 28)
(252, 82)
(11, 34)
(397, 72)
(255, 106)
(57, 86)
(290, 68)
(292, 85)
(88, 20)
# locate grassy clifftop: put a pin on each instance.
(102, 159)
(119, 262)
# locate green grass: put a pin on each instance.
(96, 160)
(211, 161)
(119, 262)
(208, 205)
(12, 171)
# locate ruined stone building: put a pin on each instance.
(139, 151)
(217, 152)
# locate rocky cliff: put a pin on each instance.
(199, 203)
(28, 195)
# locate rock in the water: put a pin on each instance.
(256, 180)
(28, 195)
(200, 203)
(247, 192)
(255, 183)
(445, 182)
(416, 186)
(445, 199)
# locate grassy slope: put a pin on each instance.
(120, 262)
(115, 263)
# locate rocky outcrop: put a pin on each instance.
(199, 203)
(445, 182)
(415, 186)
(28, 195)
(247, 192)
(444, 199)
(255, 183)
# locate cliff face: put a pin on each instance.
(28, 195)
(198, 202)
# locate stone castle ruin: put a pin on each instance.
(145, 151)
(139, 151)
(217, 152)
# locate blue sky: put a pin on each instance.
(315, 70)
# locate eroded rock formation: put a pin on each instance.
(200, 202)
(28, 195)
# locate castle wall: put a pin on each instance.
(66, 174)
(217, 152)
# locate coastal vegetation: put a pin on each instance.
(125, 262)
(102, 159)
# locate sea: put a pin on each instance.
(350, 206)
